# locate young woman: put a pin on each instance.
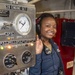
(48, 59)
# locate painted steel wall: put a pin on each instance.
(67, 53)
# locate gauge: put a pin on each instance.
(26, 57)
(10, 61)
(22, 24)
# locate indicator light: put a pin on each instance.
(9, 46)
(8, 38)
(31, 44)
(1, 47)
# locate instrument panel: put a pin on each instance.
(17, 36)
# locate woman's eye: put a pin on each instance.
(47, 25)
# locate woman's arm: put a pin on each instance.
(36, 70)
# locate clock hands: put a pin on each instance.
(22, 23)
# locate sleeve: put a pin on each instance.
(36, 70)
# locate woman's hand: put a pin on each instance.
(39, 45)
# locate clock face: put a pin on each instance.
(22, 24)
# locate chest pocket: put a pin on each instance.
(50, 61)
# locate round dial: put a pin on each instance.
(26, 57)
(22, 24)
(10, 61)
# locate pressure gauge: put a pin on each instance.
(22, 24)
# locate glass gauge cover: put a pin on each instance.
(22, 24)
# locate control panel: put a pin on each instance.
(17, 36)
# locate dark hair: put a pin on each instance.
(39, 21)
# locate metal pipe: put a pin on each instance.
(56, 11)
(33, 1)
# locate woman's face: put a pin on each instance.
(48, 28)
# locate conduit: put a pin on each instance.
(56, 11)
